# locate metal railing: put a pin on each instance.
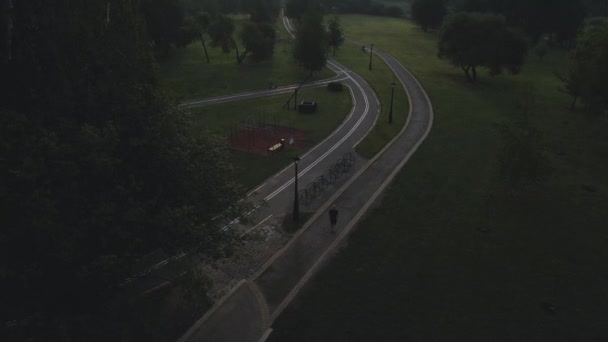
(329, 177)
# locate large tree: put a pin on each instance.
(310, 48)
(262, 10)
(258, 39)
(588, 70)
(221, 32)
(561, 18)
(335, 34)
(470, 40)
(98, 166)
(163, 21)
(297, 8)
(428, 13)
(202, 23)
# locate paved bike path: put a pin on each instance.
(267, 293)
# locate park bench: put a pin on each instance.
(278, 146)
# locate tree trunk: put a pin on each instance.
(573, 104)
(205, 48)
(474, 73)
(334, 51)
(236, 49)
(243, 55)
(466, 72)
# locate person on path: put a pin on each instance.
(333, 217)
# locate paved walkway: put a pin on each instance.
(247, 313)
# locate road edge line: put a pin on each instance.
(186, 336)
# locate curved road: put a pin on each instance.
(248, 311)
(277, 191)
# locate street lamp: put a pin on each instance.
(390, 113)
(371, 50)
(296, 204)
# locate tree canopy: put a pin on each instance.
(335, 34)
(163, 20)
(98, 166)
(560, 17)
(588, 70)
(428, 13)
(470, 40)
(258, 39)
(310, 48)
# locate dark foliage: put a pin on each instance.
(310, 48)
(98, 166)
(470, 40)
(428, 13)
(561, 18)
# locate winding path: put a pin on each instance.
(248, 311)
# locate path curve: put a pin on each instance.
(247, 313)
(277, 191)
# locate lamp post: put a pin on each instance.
(295, 100)
(296, 204)
(390, 113)
(371, 52)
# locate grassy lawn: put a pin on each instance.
(253, 169)
(188, 75)
(380, 78)
(450, 255)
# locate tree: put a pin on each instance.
(262, 10)
(470, 40)
(587, 70)
(561, 18)
(221, 31)
(428, 13)
(163, 21)
(297, 8)
(202, 22)
(335, 35)
(259, 39)
(98, 166)
(310, 47)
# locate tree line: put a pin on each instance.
(497, 34)
(98, 165)
(172, 23)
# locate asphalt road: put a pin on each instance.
(277, 192)
(247, 313)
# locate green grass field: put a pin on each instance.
(450, 255)
(187, 74)
(254, 169)
(380, 79)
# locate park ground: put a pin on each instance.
(166, 314)
(188, 76)
(453, 252)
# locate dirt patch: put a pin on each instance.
(259, 140)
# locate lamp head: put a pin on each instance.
(296, 159)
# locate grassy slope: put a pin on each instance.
(188, 75)
(254, 169)
(380, 78)
(439, 259)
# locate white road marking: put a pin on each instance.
(257, 225)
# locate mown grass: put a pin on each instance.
(451, 254)
(187, 74)
(253, 169)
(380, 79)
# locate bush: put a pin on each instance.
(334, 86)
